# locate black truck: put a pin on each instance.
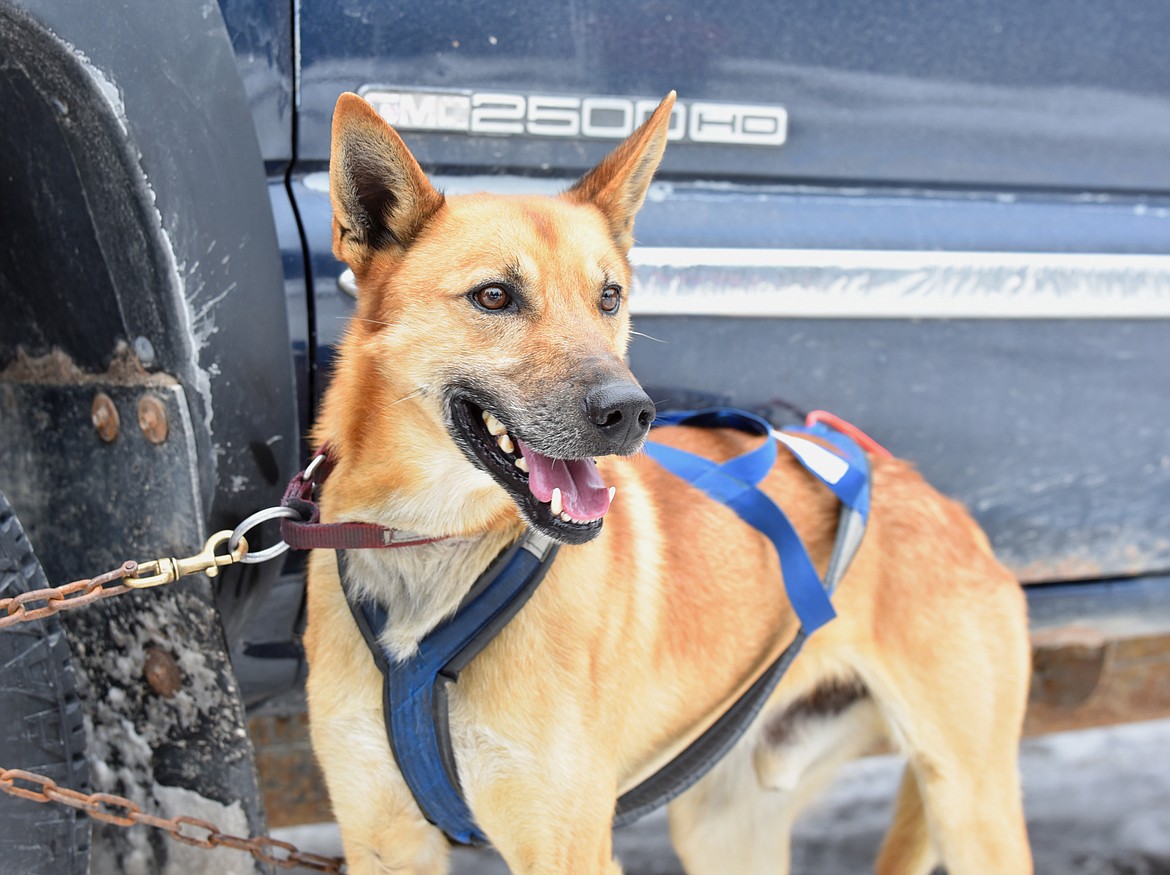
(948, 222)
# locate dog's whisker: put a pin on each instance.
(648, 337)
(361, 319)
(421, 390)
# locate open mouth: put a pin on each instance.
(565, 498)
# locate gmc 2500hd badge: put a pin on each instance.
(607, 118)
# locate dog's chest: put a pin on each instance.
(417, 588)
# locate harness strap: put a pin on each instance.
(701, 755)
(414, 691)
(734, 483)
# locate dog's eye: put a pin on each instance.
(611, 299)
(492, 297)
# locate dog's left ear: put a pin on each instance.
(617, 186)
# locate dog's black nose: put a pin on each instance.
(622, 413)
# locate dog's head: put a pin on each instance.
(504, 318)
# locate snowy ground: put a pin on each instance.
(1098, 803)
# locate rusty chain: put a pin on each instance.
(131, 575)
(118, 810)
(24, 607)
(121, 811)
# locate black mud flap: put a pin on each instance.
(42, 728)
(167, 727)
(145, 677)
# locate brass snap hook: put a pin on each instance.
(167, 570)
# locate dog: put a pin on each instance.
(489, 339)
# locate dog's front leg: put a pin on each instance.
(539, 831)
(382, 830)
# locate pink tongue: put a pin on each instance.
(584, 494)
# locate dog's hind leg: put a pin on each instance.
(907, 849)
(974, 814)
(738, 819)
(963, 780)
(727, 824)
(959, 724)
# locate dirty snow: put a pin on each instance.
(186, 859)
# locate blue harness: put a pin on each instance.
(415, 691)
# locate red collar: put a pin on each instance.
(307, 532)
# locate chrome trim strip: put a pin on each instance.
(881, 284)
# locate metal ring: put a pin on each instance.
(262, 516)
(311, 469)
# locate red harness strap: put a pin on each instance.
(308, 532)
(848, 428)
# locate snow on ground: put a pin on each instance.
(1098, 803)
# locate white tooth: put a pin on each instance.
(612, 490)
(555, 502)
(566, 518)
(522, 464)
(505, 443)
(494, 426)
(486, 415)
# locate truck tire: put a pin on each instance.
(42, 729)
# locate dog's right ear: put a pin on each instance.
(381, 197)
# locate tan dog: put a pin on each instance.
(649, 626)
